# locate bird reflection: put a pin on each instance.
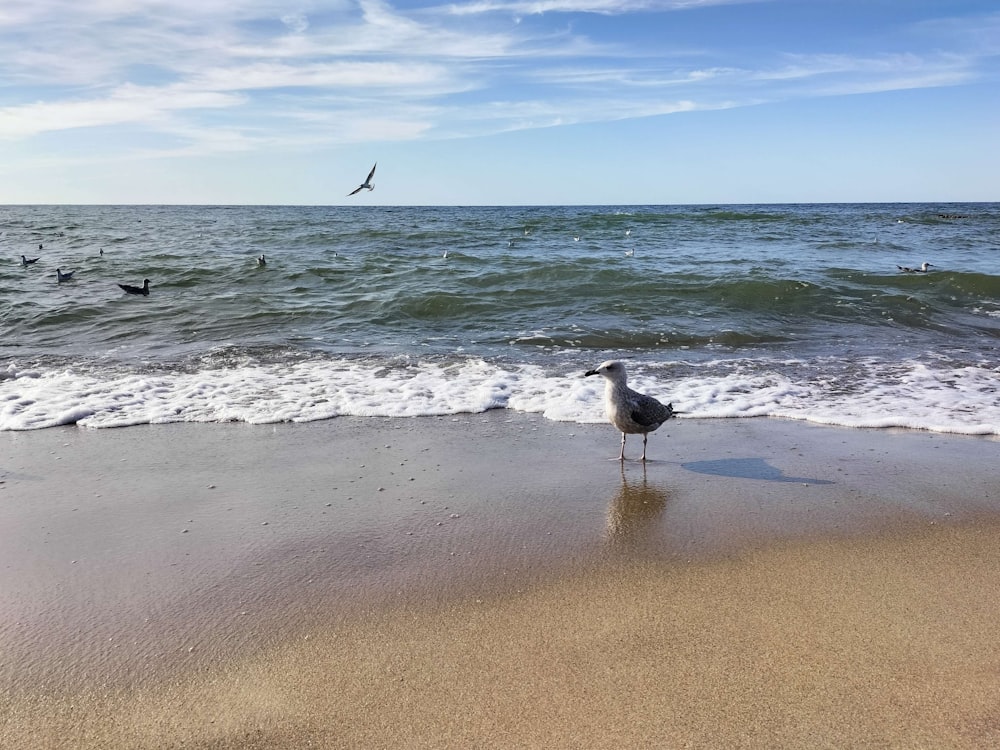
(633, 513)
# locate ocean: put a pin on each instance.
(789, 311)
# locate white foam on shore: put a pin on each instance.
(910, 395)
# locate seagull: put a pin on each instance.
(630, 411)
(28, 261)
(366, 184)
(923, 268)
(143, 290)
(261, 261)
(630, 253)
(61, 277)
(628, 232)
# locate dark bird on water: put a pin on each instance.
(261, 261)
(367, 184)
(630, 411)
(61, 277)
(28, 261)
(922, 269)
(143, 290)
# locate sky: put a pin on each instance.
(499, 102)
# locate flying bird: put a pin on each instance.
(28, 261)
(922, 269)
(61, 277)
(630, 411)
(367, 184)
(143, 290)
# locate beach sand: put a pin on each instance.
(495, 581)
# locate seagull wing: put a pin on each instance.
(371, 174)
(647, 411)
(355, 191)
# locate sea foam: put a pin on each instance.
(915, 395)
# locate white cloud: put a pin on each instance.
(244, 74)
(603, 7)
(126, 104)
(297, 23)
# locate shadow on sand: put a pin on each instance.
(747, 468)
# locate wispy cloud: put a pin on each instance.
(603, 7)
(219, 75)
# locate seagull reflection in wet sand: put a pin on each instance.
(634, 513)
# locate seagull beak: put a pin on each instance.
(591, 372)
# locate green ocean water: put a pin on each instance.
(797, 311)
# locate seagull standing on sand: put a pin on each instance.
(630, 411)
(143, 290)
(61, 277)
(367, 184)
(923, 268)
(28, 261)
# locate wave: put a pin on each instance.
(260, 386)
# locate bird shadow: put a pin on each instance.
(746, 468)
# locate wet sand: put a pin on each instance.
(494, 581)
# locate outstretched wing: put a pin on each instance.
(371, 174)
(355, 191)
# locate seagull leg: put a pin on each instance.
(645, 436)
(621, 457)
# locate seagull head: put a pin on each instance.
(612, 370)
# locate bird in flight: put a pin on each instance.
(366, 184)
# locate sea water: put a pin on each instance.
(793, 311)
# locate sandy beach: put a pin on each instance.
(495, 580)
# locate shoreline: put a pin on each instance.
(151, 574)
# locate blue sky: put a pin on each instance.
(499, 101)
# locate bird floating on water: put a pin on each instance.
(28, 261)
(630, 253)
(367, 184)
(61, 277)
(922, 269)
(261, 261)
(630, 411)
(143, 290)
